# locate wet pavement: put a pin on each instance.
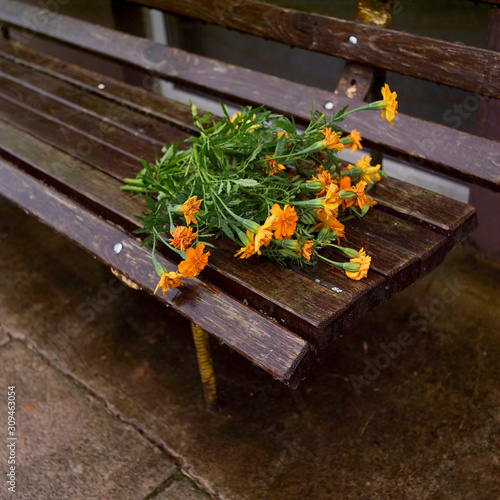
(109, 403)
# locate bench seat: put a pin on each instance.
(68, 138)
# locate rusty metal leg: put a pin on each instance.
(205, 365)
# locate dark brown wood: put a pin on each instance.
(129, 96)
(485, 241)
(266, 286)
(268, 345)
(47, 107)
(469, 68)
(420, 143)
(431, 210)
(355, 81)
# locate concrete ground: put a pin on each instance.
(108, 403)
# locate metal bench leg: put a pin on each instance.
(205, 365)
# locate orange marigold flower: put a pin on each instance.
(264, 233)
(390, 103)
(363, 264)
(362, 198)
(249, 249)
(329, 221)
(345, 184)
(189, 208)
(182, 237)
(325, 178)
(195, 261)
(169, 280)
(307, 250)
(272, 167)
(286, 221)
(367, 170)
(331, 139)
(355, 138)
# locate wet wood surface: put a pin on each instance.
(69, 136)
(408, 234)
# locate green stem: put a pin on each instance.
(137, 189)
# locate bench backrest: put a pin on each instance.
(442, 149)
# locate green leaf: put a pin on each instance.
(151, 203)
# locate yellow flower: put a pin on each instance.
(249, 249)
(273, 166)
(332, 201)
(389, 111)
(355, 138)
(331, 139)
(195, 261)
(362, 263)
(237, 115)
(182, 237)
(286, 221)
(264, 233)
(189, 208)
(169, 280)
(367, 170)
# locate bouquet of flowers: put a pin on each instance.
(254, 178)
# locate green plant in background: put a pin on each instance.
(255, 179)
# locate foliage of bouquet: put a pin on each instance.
(254, 178)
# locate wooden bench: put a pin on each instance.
(68, 137)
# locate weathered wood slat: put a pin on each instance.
(468, 68)
(422, 144)
(132, 97)
(268, 345)
(72, 141)
(434, 211)
(132, 122)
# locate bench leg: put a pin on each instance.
(205, 365)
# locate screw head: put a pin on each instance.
(328, 105)
(117, 248)
(353, 40)
(101, 86)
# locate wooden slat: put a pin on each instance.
(132, 97)
(131, 122)
(456, 154)
(268, 345)
(436, 212)
(457, 65)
